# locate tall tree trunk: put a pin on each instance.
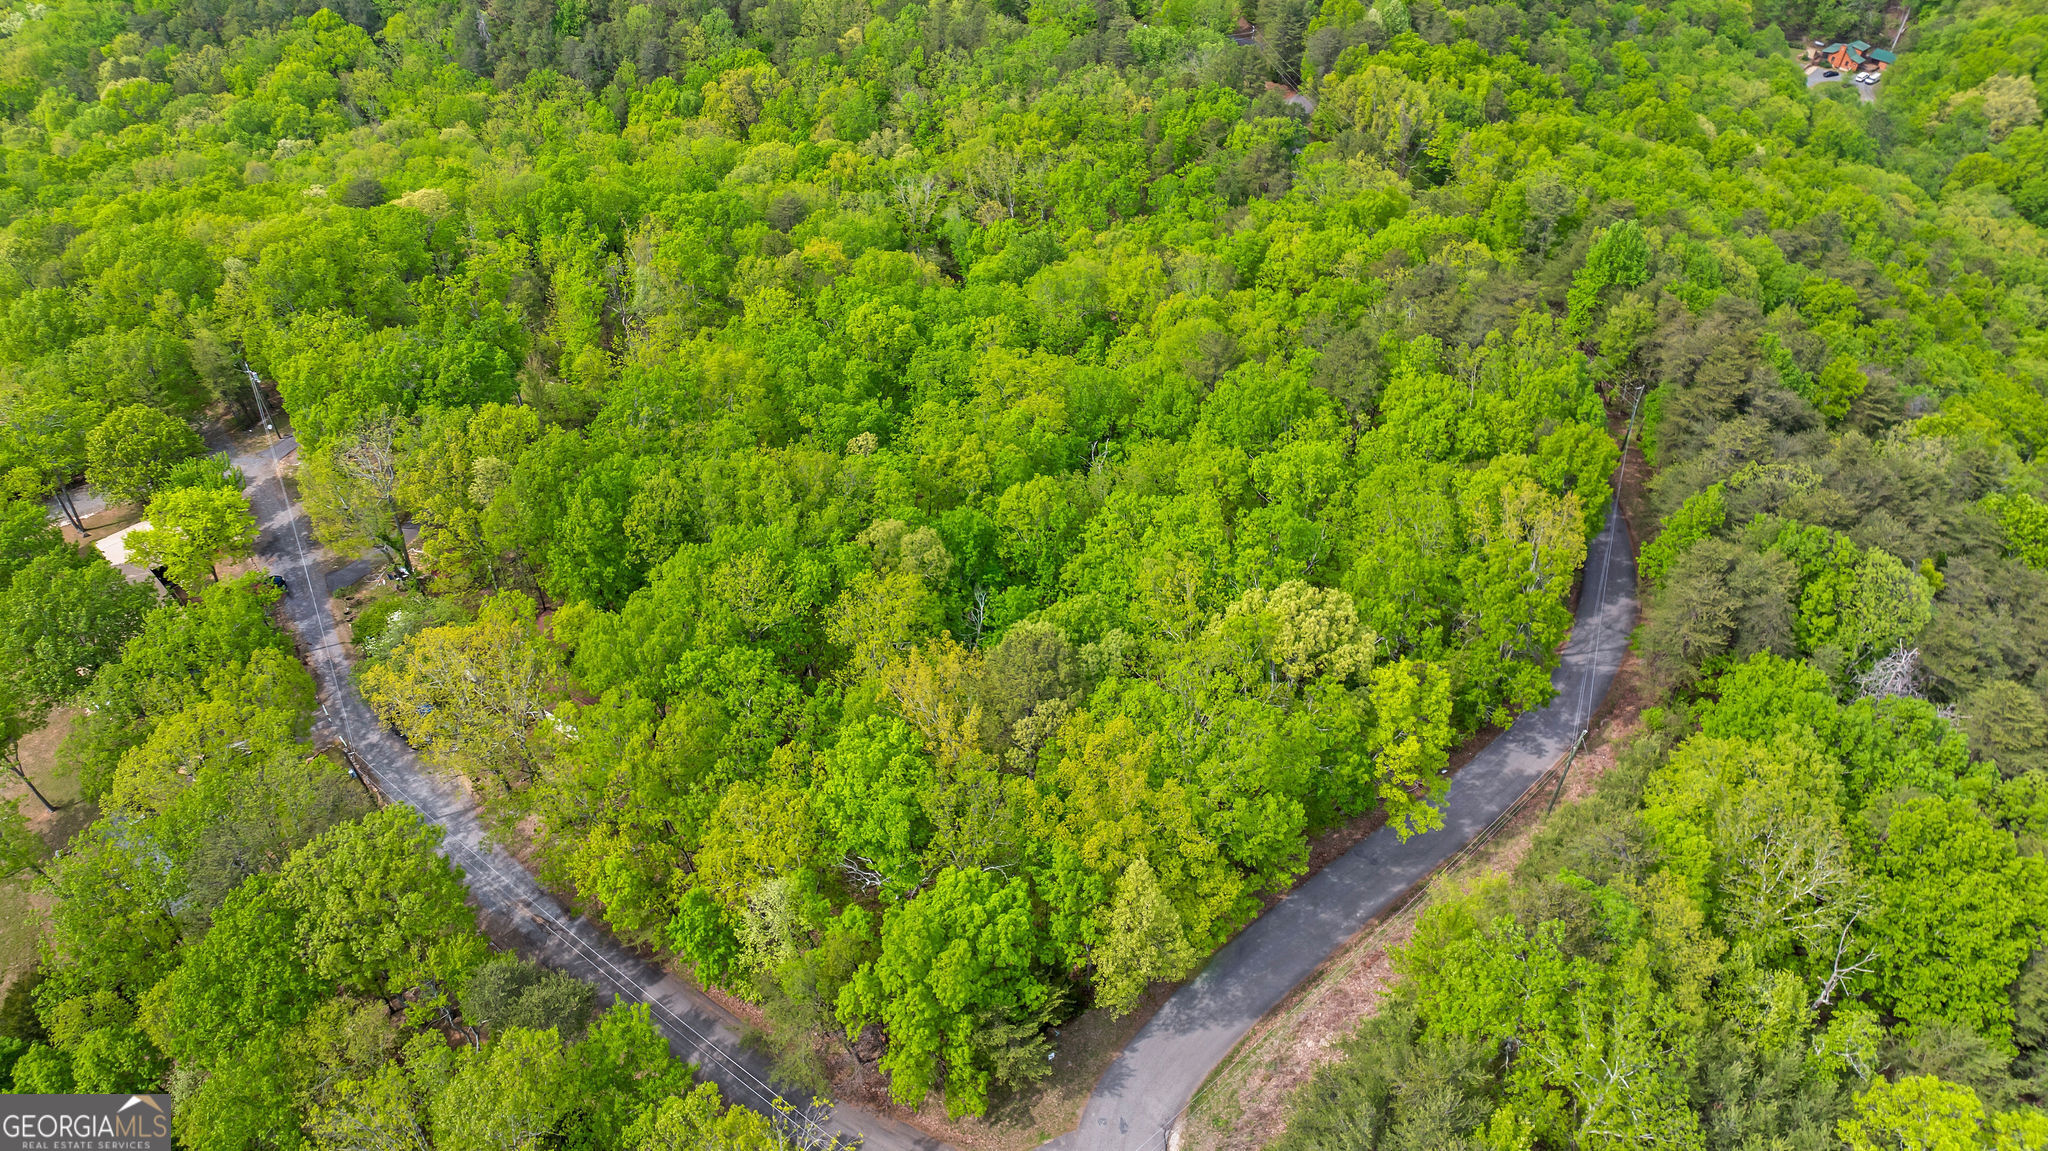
(398, 529)
(69, 509)
(393, 546)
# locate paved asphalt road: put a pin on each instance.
(1144, 1091)
(506, 895)
(1141, 1096)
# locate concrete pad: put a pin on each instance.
(115, 546)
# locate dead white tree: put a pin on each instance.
(1841, 969)
(350, 491)
(1894, 676)
(1787, 874)
(372, 461)
(1610, 1069)
(919, 199)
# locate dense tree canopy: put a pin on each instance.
(241, 929)
(1771, 901)
(1806, 907)
(924, 508)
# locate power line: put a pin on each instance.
(630, 987)
(1418, 897)
(625, 984)
(483, 864)
(314, 592)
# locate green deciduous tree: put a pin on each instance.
(60, 619)
(1016, 439)
(515, 1092)
(1616, 1063)
(508, 992)
(759, 832)
(350, 487)
(473, 696)
(1917, 1112)
(242, 983)
(109, 1053)
(43, 432)
(132, 451)
(2025, 522)
(1532, 543)
(191, 530)
(43, 1070)
(114, 924)
(870, 802)
(378, 911)
(236, 1105)
(26, 534)
(1959, 912)
(698, 1121)
(1143, 941)
(961, 953)
(1701, 515)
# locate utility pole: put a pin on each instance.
(262, 409)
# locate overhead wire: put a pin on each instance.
(624, 984)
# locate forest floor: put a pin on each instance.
(100, 524)
(1015, 1121)
(24, 901)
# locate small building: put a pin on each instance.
(1857, 56)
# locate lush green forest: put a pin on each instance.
(1807, 907)
(922, 510)
(240, 929)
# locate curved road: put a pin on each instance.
(508, 899)
(1141, 1097)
